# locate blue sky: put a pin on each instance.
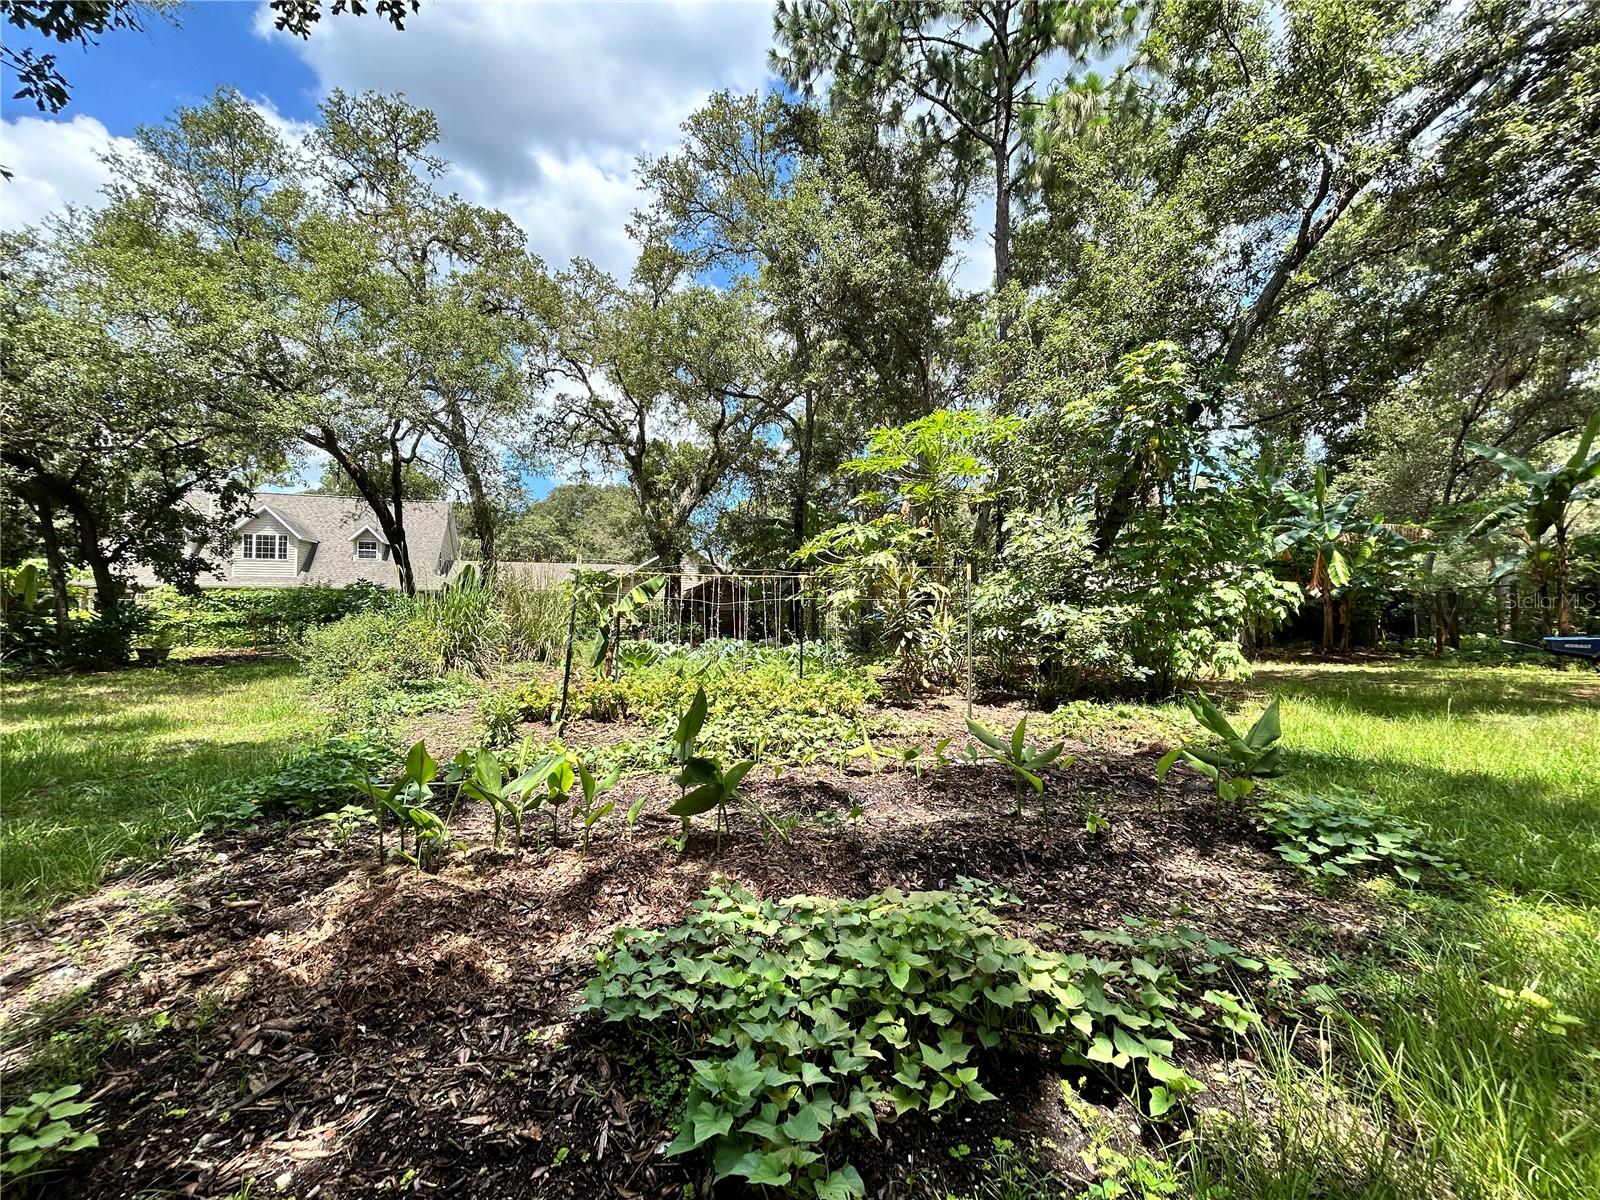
(544, 108)
(137, 78)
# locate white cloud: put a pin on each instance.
(53, 163)
(543, 108)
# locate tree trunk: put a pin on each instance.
(389, 510)
(1327, 620)
(805, 444)
(1563, 615)
(57, 568)
(483, 515)
(1002, 215)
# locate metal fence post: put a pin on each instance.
(966, 597)
(801, 606)
(566, 671)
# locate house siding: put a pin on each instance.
(321, 530)
(264, 570)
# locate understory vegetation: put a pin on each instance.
(780, 1038)
(1093, 733)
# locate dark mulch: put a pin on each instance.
(335, 1029)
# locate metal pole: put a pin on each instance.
(966, 596)
(566, 672)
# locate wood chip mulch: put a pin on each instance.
(278, 1010)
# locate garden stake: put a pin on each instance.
(566, 673)
(966, 599)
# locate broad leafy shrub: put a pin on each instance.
(389, 647)
(1339, 833)
(257, 616)
(501, 714)
(804, 1014)
(28, 633)
(1164, 608)
(318, 780)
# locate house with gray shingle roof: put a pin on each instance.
(293, 539)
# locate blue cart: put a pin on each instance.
(1575, 647)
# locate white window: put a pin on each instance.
(366, 548)
(265, 545)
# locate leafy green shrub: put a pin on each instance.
(814, 1010)
(501, 714)
(258, 616)
(499, 720)
(317, 781)
(38, 1133)
(389, 646)
(28, 634)
(1338, 833)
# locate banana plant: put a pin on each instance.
(1240, 761)
(1547, 506)
(1027, 764)
(1326, 526)
(615, 611)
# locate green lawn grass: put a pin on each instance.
(95, 768)
(1502, 762)
(1483, 1095)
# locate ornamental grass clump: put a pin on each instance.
(803, 1018)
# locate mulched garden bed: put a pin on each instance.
(287, 1012)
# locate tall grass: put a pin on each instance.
(1323, 1134)
(95, 768)
(1495, 1097)
(534, 616)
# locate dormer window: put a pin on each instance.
(367, 548)
(264, 545)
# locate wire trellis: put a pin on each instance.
(758, 607)
(774, 608)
